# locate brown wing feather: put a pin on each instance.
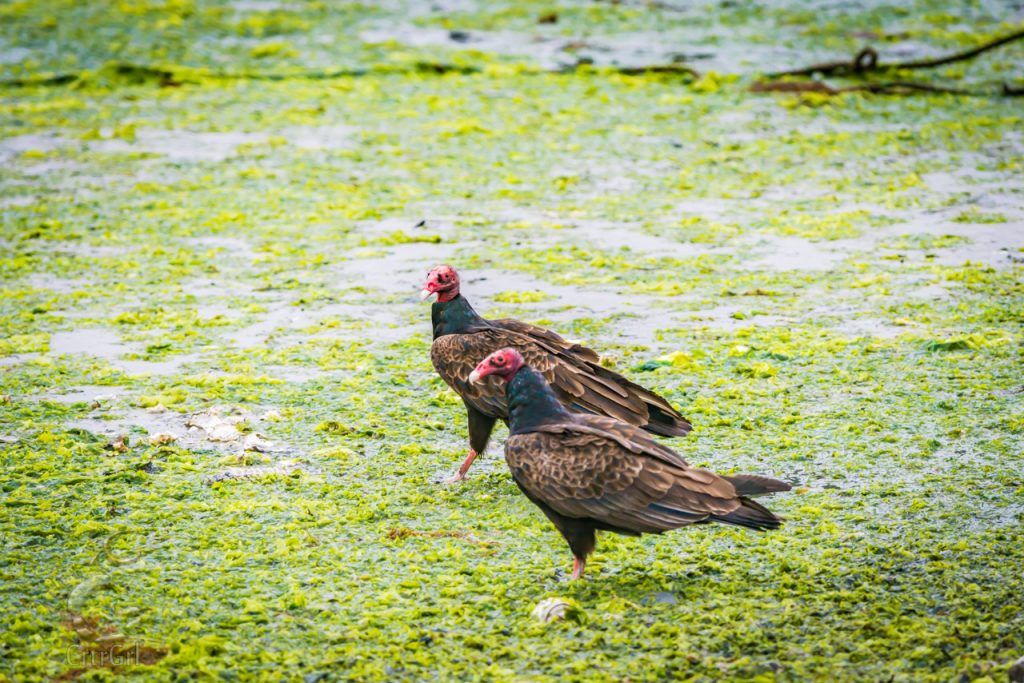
(571, 370)
(552, 339)
(633, 439)
(455, 356)
(589, 474)
(580, 381)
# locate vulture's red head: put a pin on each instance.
(444, 282)
(504, 364)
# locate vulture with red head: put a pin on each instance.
(590, 472)
(462, 338)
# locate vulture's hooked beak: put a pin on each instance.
(425, 294)
(474, 377)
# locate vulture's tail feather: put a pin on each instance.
(756, 485)
(751, 515)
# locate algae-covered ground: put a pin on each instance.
(216, 220)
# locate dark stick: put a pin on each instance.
(867, 60)
(959, 56)
(889, 88)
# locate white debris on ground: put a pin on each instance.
(552, 609)
(256, 442)
(162, 438)
(227, 425)
(221, 424)
(228, 429)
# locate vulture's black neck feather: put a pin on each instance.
(532, 403)
(454, 317)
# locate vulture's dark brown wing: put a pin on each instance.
(552, 340)
(633, 439)
(575, 373)
(581, 469)
(455, 356)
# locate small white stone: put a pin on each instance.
(551, 609)
(1016, 672)
(255, 442)
(222, 431)
(162, 438)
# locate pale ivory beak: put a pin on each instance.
(474, 377)
(425, 294)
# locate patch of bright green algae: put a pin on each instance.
(831, 293)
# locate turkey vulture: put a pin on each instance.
(461, 338)
(590, 472)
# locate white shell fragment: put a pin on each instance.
(256, 442)
(219, 423)
(1016, 672)
(162, 438)
(222, 431)
(230, 428)
(551, 609)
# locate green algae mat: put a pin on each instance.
(222, 441)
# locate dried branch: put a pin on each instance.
(886, 88)
(867, 60)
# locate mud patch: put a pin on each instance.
(377, 322)
(53, 283)
(17, 359)
(616, 236)
(933, 291)
(633, 318)
(181, 145)
(547, 50)
(227, 246)
(108, 345)
(90, 393)
(21, 200)
(53, 166)
(869, 327)
(729, 318)
(257, 5)
(321, 137)
(772, 252)
(14, 55)
(33, 142)
(88, 250)
(991, 244)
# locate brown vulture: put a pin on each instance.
(590, 472)
(462, 338)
